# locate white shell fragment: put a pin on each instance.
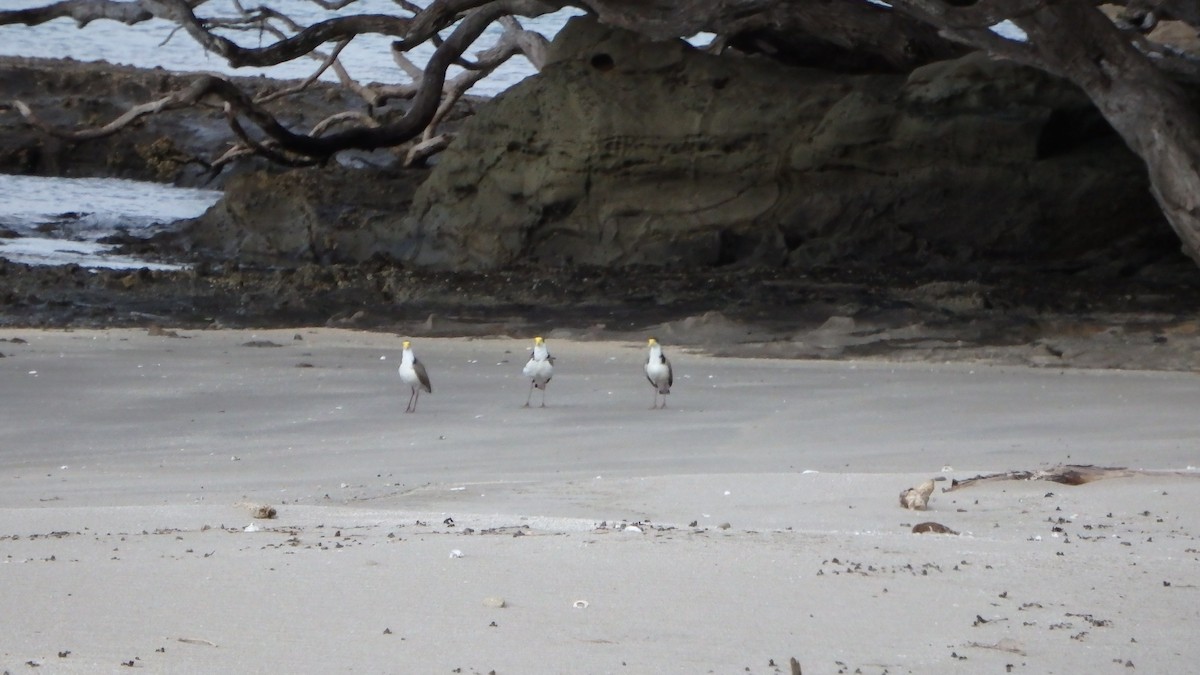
(580, 604)
(494, 601)
(456, 553)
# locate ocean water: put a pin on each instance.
(59, 220)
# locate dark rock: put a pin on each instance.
(626, 151)
(314, 215)
(931, 528)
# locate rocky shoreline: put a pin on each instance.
(1042, 319)
(1133, 310)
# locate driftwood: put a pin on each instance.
(1067, 474)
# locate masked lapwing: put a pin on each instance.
(539, 370)
(658, 371)
(413, 373)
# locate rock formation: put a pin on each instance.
(332, 215)
(626, 151)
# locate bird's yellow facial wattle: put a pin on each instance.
(407, 344)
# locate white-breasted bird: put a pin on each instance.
(539, 369)
(658, 371)
(413, 373)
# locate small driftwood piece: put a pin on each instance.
(1004, 645)
(197, 641)
(1067, 474)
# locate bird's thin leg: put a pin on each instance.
(654, 405)
(411, 396)
(664, 405)
(530, 396)
(416, 397)
(543, 397)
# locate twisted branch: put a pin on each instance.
(82, 11)
(290, 147)
(331, 30)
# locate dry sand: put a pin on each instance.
(754, 520)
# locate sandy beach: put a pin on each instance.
(753, 521)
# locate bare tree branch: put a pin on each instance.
(340, 118)
(980, 14)
(850, 35)
(438, 15)
(331, 30)
(515, 40)
(175, 101)
(264, 149)
(972, 25)
(329, 60)
(425, 103)
(319, 147)
(82, 11)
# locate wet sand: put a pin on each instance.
(752, 521)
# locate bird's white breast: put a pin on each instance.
(408, 374)
(539, 369)
(657, 371)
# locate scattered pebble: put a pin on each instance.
(495, 602)
(456, 553)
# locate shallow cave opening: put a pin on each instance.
(1067, 129)
(734, 247)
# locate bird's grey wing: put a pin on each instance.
(670, 372)
(422, 376)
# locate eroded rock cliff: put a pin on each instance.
(626, 151)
